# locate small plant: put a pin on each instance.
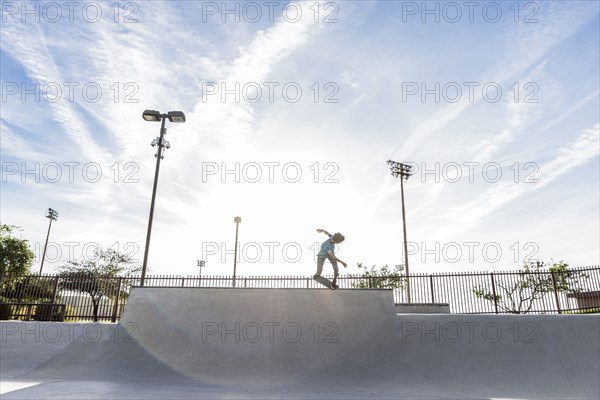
(380, 278)
(533, 283)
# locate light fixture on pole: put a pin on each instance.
(53, 216)
(156, 116)
(404, 171)
(237, 221)
(201, 264)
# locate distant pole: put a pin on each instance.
(403, 171)
(53, 216)
(405, 239)
(201, 264)
(237, 221)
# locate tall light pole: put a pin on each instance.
(53, 216)
(403, 171)
(237, 221)
(201, 264)
(152, 115)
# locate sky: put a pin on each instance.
(292, 110)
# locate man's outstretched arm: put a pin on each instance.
(324, 231)
(340, 261)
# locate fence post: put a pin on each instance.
(63, 312)
(555, 292)
(431, 286)
(117, 298)
(494, 293)
(24, 288)
(55, 290)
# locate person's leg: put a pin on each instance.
(335, 270)
(320, 262)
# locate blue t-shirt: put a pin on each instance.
(327, 248)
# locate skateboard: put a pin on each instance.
(325, 282)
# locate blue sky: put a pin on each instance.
(292, 111)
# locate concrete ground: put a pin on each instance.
(198, 343)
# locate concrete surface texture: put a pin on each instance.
(193, 343)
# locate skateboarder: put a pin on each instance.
(328, 252)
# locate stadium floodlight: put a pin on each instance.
(404, 171)
(153, 116)
(400, 169)
(52, 216)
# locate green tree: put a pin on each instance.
(380, 278)
(28, 288)
(97, 275)
(533, 283)
(16, 258)
(566, 280)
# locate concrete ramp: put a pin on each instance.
(268, 336)
(501, 356)
(348, 343)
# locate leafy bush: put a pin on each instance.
(382, 278)
(534, 282)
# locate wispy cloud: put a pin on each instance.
(585, 100)
(15, 145)
(571, 156)
(26, 43)
(519, 114)
(255, 62)
(230, 123)
(528, 48)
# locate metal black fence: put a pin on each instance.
(516, 292)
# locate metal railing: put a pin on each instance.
(41, 311)
(104, 299)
